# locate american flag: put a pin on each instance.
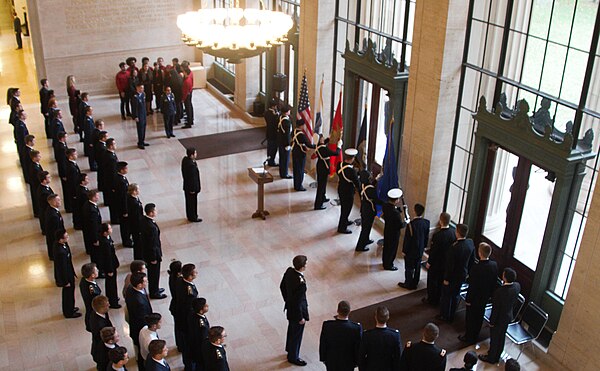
(304, 110)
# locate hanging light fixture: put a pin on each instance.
(234, 33)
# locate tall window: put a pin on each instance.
(534, 50)
(226, 65)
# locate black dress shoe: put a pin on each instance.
(186, 126)
(146, 144)
(76, 309)
(485, 358)
(347, 231)
(172, 135)
(158, 296)
(141, 147)
(161, 290)
(287, 177)
(370, 241)
(123, 118)
(362, 249)
(326, 200)
(74, 315)
(392, 268)
(197, 220)
(298, 362)
(403, 285)
(321, 208)
(349, 222)
(301, 189)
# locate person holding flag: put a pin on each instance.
(300, 146)
(337, 129)
(394, 222)
(304, 110)
(284, 140)
(347, 185)
(324, 153)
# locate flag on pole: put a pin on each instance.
(304, 110)
(337, 128)
(389, 179)
(318, 116)
(361, 143)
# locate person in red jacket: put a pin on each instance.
(122, 81)
(188, 86)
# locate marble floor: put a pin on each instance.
(240, 260)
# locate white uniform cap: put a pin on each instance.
(351, 151)
(394, 193)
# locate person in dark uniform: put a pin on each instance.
(89, 289)
(138, 112)
(168, 110)
(25, 143)
(44, 98)
(415, 240)
(108, 263)
(98, 128)
(368, 209)
(394, 222)
(109, 170)
(152, 250)
(197, 333)
(138, 306)
(482, 280)
(186, 293)
(175, 277)
(99, 319)
(191, 184)
(157, 354)
(118, 358)
(347, 185)
(293, 290)
(44, 191)
(380, 347)
(424, 355)
(300, 146)
(64, 273)
(284, 141)
(441, 241)
(35, 169)
(176, 83)
(470, 360)
(110, 338)
(213, 350)
(72, 178)
(323, 154)
(53, 223)
(118, 206)
(87, 125)
(503, 302)
(92, 220)
(60, 155)
(340, 341)
(55, 124)
(81, 199)
(80, 116)
(18, 31)
(272, 120)
(459, 260)
(134, 215)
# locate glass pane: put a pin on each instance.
(516, 49)
(562, 17)
(540, 18)
(574, 74)
(520, 17)
(532, 68)
(534, 218)
(593, 99)
(560, 287)
(476, 43)
(465, 129)
(583, 26)
(459, 167)
(553, 69)
(492, 48)
(470, 97)
(500, 193)
(455, 196)
(481, 9)
(577, 227)
(498, 13)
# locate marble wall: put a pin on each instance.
(88, 38)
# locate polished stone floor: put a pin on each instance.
(240, 260)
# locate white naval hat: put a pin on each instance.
(351, 151)
(394, 193)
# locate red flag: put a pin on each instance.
(337, 128)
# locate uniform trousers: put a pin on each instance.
(189, 110)
(141, 130)
(474, 320)
(346, 202)
(497, 339)
(169, 120)
(284, 159)
(34, 200)
(366, 223)
(293, 340)
(412, 271)
(271, 151)
(390, 248)
(125, 232)
(110, 284)
(299, 161)
(321, 188)
(137, 245)
(434, 286)
(191, 205)
(449, 300)
(68, 300)
(153, 277)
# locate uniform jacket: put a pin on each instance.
(483, 280)
(348, 179)
(167, 106)
(92, 220)
(89, 290)
(293, 290)
(380, 350)
(272, 119)
(64, 273)
(416, 237)
(197, 334)
(151, 246)
(284, 131)
(300, 144)
(339, 344)
(441, 241)
(186, 292)
(97, 323)
(423, 357)
(459, 260)
(152, 365)
(138, 306)
(215, 357)
(134, 209)
(191, 175)
(503, 303)
(108, 261)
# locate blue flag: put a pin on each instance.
(389, 179)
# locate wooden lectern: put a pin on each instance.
(260, 176)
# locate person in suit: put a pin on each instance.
(394, 222)
(72, 178)
(152, 250)
(424, 355)
(284, 141)
(186, 293)
(482, 280)
(503, 302)
(118, 358)
(348, 184)
(191, 184)
(138, 112)
(25, 143)
(55, 124)
(157, 352)
(94, 151)
(168, 109)
(324, 154)
(300, 146)
(470, 360)
(89, 290)
(110, 337)
(441, 240)
(175, 277)
(118, 206)
(138, 307)
(53, 222)
(64, 273)
(415, 240)
(213, 350)
(99, 319)
(44, 98)
(272, 120)
(380, 347)
(81, 199)
(60, 155)
(368, 209)
(99, 149)
(108, 263)
(109, 170)
(92, 220)
(149, 333)
(459, 260)
(340, 341)
(134, 215)
(18, 30)
(197, 333)
(43, 192)
(293, 290)
(35, 169)
(87, 125)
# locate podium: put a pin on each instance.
(260, 176)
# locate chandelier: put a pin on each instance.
(234, 33)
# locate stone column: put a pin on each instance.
(438, 42)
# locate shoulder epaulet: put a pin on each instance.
(218, 353)
(443, 353)
(408, 344)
